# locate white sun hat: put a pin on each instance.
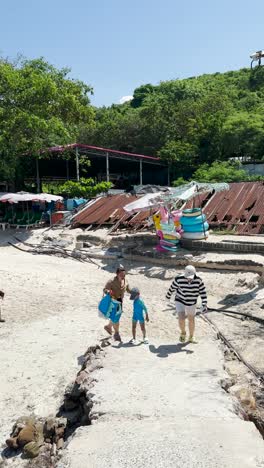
(190, 272)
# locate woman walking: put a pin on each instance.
(187, 288)
(116, 288)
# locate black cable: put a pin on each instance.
(251, 317)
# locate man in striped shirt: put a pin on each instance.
(187, 288)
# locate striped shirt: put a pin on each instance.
(187, 292)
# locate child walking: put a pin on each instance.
(139, 310)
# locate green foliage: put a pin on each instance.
(220, 172)
(188, 122)
(85, 188)
(179, 181)
(177, 151)
(40, 106)
(140, 94)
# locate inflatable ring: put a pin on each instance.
(190, 220)
(169, 243)
(170, 249)
(195, 235)
(197, 227)
(171, 236)
(192, 212)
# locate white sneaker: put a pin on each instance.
(146, 341)
(133, 341)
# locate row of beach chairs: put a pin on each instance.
(22, 220)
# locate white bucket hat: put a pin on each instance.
(189, 272)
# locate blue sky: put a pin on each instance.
(118, 45)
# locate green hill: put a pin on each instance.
(188, 122)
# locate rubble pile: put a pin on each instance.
(43, 439)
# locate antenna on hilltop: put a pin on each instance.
(256, 57)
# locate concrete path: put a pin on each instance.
(161, 405)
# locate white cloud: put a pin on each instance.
(125, 99)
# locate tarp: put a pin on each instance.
(151, 200)
(26, 197)
(182, 193)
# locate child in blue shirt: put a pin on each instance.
(140, 313)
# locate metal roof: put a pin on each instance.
(240, 209)
(98, 151)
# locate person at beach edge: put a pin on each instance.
(116, 288)
(187, 288)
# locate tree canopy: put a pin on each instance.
(189, 123)
(40, 106)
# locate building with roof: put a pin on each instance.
(121, 168)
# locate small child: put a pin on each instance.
(138, 315)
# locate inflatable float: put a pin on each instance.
(192, 212)
(197, 227)
(196, 235)
(192, 220)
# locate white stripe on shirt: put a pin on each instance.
(187, 292)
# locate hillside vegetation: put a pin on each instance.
(190, 123)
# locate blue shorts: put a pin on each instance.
(138, 317)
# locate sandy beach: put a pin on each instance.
(51, 318)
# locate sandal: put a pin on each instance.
(183, 337)
(117, 337)
(192, 340)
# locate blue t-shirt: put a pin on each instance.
(138, 310)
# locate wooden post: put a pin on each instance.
(201, 211)
(140, 172)
(107, 168)
(38, 177)
(77, 164)
(168, 175)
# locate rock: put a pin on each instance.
(54, 449)
(39, 436)
(227, 383)
(244, 394)
(60, 432)
(61, 422)
(26, 435)
(21, 423)
(60, 444)
(12, 443)
(31, 450)
(82, 377)
(49, 428)
(87, 245)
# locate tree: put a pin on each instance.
(140, 94)
(40, 106)
(221, 172)
(243, 135)
(85, 188)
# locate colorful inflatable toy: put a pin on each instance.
(194, 224)
(169, 230)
